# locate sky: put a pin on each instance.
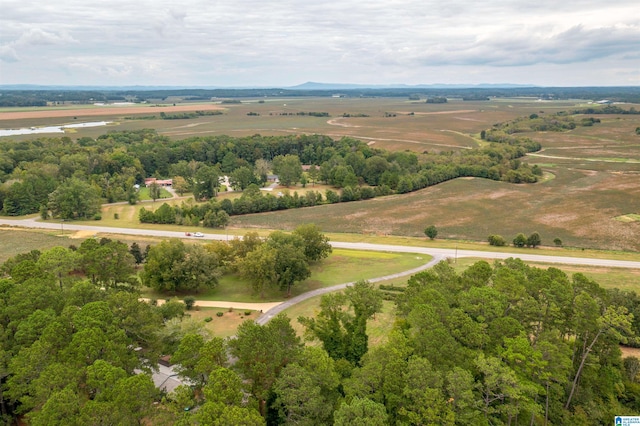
(267, 43)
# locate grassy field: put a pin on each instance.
(225, 325)
(391, 123)
(595, 169)
(23, 241)
(340, 267)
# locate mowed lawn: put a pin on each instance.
(340, 267)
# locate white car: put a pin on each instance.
(198, 234)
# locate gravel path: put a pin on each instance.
(268, 315)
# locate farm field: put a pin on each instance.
(390, 123)
(589, 199)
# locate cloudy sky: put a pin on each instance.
(288, 42)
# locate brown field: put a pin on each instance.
(416, 126)
(594, 172)
(100, 111)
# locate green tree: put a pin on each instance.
(262, 352)
(288, 168)
(497, 240)
(136, 252)
(361, 412)
(344, 333)
(313, 173)
(298, 399)
(154, 190)
(241, 178)
(181, 185)
(316, 244)
(290, 261)
(534, 240)
(109, 263)
(74, 199)
(431, 231)
(262, 168)
(520, 240)
(60, 262)
(196, 358)
(258, 266)
(207, 182)
(172, 266)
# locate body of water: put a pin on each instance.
(50, 129)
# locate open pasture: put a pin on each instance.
(390, 123)
(594, 170)
(578, 207)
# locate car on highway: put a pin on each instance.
(198, 234)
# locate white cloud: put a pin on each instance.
(227, 42)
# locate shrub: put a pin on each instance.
(97, 216)
(520, 240)
(219, 314)
(116, 216)
(431, 232)
(497, 240)
(189, 301)
(208, 319)
(557, 242)
(247, 313)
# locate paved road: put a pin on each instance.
(451, 253)
(437, 254)
(267, 316)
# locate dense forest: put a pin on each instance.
(66, 178)
(496, 344)
(15, 97)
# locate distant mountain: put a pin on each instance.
(310, 85)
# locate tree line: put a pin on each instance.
(109, 167)
(38, 97)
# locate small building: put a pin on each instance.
(165, 183)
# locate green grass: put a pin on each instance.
(22, 241)
(622, 278)
(629, 218)
(143, 194)
(222, 326)
(340, 267)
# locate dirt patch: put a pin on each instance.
(82, 234)
(627, 351)
(460, 111)
(103, 111)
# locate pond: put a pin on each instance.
(50, 129)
